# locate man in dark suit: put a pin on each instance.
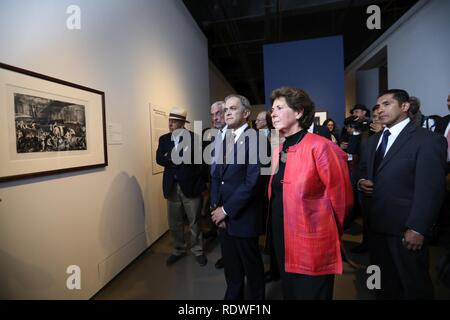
(234, 186)
(264, 126)
(443, 127)
(183, 184)
(361, 112)
(403, 173)
(320, 130)
(218, 122)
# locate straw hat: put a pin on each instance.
(178, 114)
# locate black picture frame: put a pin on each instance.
(320, 117)
(48, 126)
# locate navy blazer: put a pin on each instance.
(190, 176)
(235, 187)
(322, 131)
(409, 183)
(441, 125)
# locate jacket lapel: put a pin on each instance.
(241, 140)
(227, 156)
(169, 142)
(371, 157)
(398, 144)
(216, 151)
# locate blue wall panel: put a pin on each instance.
(316, 65)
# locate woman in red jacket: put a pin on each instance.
(310, 193)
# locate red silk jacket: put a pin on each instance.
(317, 195)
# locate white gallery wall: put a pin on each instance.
(137, 52)
(418, 49)
(218, 85)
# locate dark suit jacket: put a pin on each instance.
(409, 183)
(190, 176)
(235, 187)
(322, 131)
(441, 125)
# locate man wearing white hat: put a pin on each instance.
(183, 185)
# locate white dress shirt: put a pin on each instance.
(395, 132)
(176, 140)
(223, 131)
(237, 132)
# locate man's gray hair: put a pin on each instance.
(220, 104)
(244, 101)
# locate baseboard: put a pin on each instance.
(115, 263)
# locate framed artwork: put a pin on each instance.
(48, 126)
(320, 117)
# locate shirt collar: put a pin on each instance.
(238, 131)
(176, 137)
(223, 131)
(396, 129)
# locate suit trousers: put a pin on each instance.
(242, 258)
(404, 273)
(180, 206)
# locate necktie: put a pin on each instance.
(379, 154)
(229, 147)
(448, 147)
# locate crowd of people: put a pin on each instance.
(392, 169)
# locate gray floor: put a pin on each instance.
(148, 277)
